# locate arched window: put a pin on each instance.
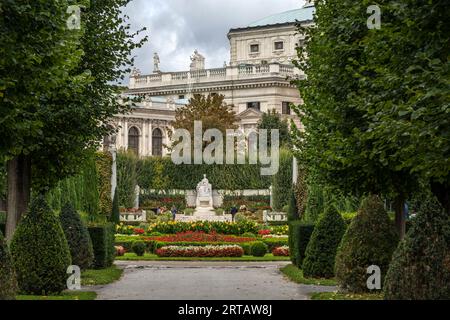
(157, 142)
(133, 139)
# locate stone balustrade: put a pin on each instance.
(140, 216)
(269, 216)
(216, 74)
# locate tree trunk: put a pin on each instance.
(400, 219)
(442, 193)
(19, 188)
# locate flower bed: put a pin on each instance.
(200, 236)
(281, 251)
(196, 251)
(227, 228)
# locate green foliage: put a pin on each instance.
(258, 249)
(420, 267)
(186, 177)
(292, 208)
(299, 235)
(138, 247)
(271, 120)
(321, 250)
(8, 283)
(248, 235)
(40, 251)
(77, 236)
(102, 236)
(90, 188)
(115, 215)
(126, 178)
(301, 193)
(376, 101)
(282, 181)
(370, 240)
(104, 172)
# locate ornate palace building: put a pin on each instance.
(256, 80)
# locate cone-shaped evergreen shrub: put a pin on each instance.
(292, 209)
(8, 284)
(420, 267)
(77, 236)
(115, 215)
(370, 240)
(40, 251)
(321, 250)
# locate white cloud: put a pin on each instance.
(177, 27)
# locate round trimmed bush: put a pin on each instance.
(420, 267)
(8, 283)
(77, 236)
(138, 247)
(321, 250)
(248, 235)
(40, 251)
(370, 240)
(259, 249)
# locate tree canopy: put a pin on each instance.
(272, 120)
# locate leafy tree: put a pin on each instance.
(126, 178)
(77, 236)
(420, 267)
(271, 120)
(375, 103)
(321, 250)
(370, 240)
(301, 193)
(40, 251)
(210, 110)
(46, 135)
(282, 180)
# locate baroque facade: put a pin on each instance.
(257, 79)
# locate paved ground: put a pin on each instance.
(181, 280)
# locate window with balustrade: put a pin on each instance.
(133, 140)
(157, 142)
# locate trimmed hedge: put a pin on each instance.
(40, 251)
(77, 236)
(138, 248)
(321, 250)
(102, 237)
(299, 235)
(273, 243)
(370, 240)
(420, 267)
(8, 282)
(282, 181)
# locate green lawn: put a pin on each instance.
(100, 277)
(296, 275)
(154, 257)
(346, 296)
(69, 295)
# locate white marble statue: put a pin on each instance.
(204, 193)
(197, 61)
(156, 62)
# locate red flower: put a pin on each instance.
(264, 232)
(138, 231)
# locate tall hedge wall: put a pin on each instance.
(163, 174)
(282, 181)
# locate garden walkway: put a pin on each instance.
(181, 280)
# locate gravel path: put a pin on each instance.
(181, 280)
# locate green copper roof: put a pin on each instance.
(302, 14)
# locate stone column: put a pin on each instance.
(150, 143)
(144, 138)
(113, 151)
(125, 135)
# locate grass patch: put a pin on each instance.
(154, 257)
(101, 276)
(69, 295)
(295, 274)
(346, 296)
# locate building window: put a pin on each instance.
(286, 108)
(181, 96)
(157, 145)
(133, 140)
(254, 105)
(279, 45)
(254, 48)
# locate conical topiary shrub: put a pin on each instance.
(115, 214)
(8, 284)
(77, 236)
(370, 240)
(420, 267)
(292, 209)
(40, 252)
(321, 250)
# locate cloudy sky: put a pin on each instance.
(177, 27)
